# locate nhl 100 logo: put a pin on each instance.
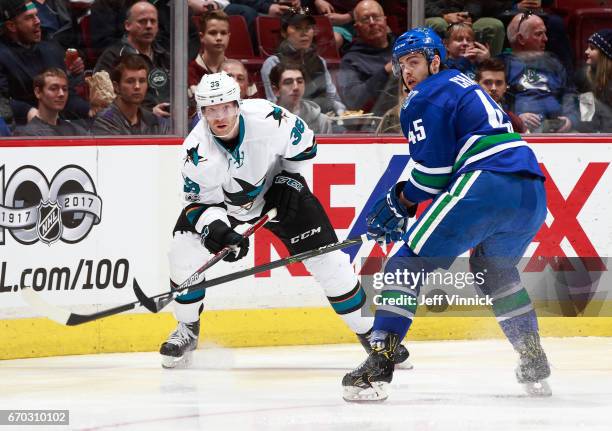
(34, 209)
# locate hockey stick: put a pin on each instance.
(152, 307)
(71, 319)
(65, 317)
(159, 301)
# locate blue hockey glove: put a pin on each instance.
(388, 219)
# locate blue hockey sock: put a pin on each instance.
(516, 327)
(396, 324)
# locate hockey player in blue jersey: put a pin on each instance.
(488, 195)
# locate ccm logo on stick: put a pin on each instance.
(306, 234)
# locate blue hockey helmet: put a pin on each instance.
(420, 39)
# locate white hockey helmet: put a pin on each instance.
(216, 88)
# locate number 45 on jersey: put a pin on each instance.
(419, 131)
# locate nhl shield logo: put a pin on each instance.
(49, 226)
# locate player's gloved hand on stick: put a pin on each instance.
(218, 235)
(285, 194)
(388, 219)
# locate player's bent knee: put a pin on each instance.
(186, 255)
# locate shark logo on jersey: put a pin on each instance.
(193, 156)
(278, 114)
(245, 197)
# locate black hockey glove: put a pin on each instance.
(284, 194)
(218, 235)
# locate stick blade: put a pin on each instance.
(50, 311)
(144, 300)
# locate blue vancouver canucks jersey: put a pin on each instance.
(453, 127)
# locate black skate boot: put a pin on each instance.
(400, 357)
(533, 368)
(368, 382)
(177, 350)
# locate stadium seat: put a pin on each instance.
(585, 22)
(324, 38)
(571, 5)
(394, 25)
(240, 46)
(85, 37)
(268, 29)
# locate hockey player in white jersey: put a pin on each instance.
(242, 159)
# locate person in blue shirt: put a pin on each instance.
(488, 195)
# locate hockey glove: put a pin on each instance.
(218, 235)
(388, 219)
(285, 194)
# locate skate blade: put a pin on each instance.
(177, 362)
(538, 389)
(406, 365)
(376, 393)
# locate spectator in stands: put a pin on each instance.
(55, 18)
(238, 71)
(596, 103)
(558, 42)
(289, 84)
(462, 51)
(107, 24)
(51, 91)
(481, 15)
(297, 29)
(491, 75)
(541, 93)
(141, 28)
(366, 80)
(126, 115)
(23, 55)
(214, 39)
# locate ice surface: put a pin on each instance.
(455, 385)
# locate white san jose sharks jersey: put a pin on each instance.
(218, 183)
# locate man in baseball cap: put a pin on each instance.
(10, 9)
(19, 20)
(23, 55)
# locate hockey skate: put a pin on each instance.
(533, 368)
(369, 381)
(400, 356)
(177, 350)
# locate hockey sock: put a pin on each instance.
(515, 314)
(396, 304)
(349, 307)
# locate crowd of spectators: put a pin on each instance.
(102, 67)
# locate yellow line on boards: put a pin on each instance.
(38, 337)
